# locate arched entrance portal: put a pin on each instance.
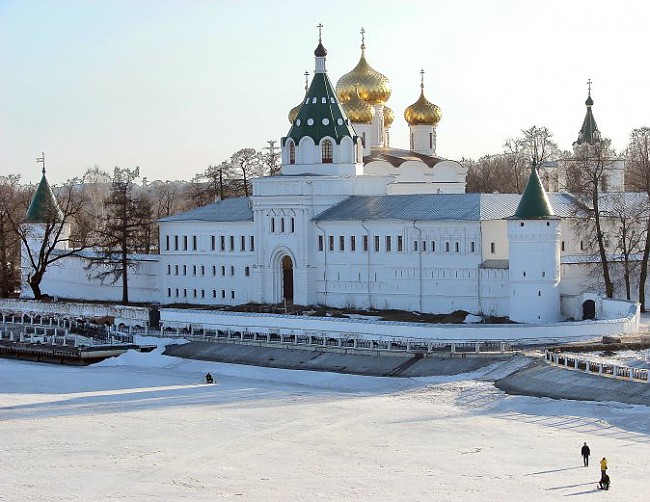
(589, 309)
(287, 279)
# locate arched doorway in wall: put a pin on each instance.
(287, 279)
(589, 309)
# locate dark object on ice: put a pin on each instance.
(604, 482)
(611, 339)
(208, 378)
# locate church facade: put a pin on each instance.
(352, 222)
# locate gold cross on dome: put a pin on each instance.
(363, 36)
(422, 78)
(320, 27)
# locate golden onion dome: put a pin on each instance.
(374, 88)
(422, 112)
(389, 117)
(357, 110)
(293, 113)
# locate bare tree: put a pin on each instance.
(586, 179)
(127, 218)
(45, 235)
(638, 179)
(536, 144)
(13, 208)
(486, 174)
(247, 162)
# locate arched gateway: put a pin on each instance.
(287, 279)
(589, 309)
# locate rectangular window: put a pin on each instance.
(353, 243)
(176, 268)
(282, 225)
(194, 242)
(176, 243)
(331, 243)
(376, 244)
(176, 292)
(232, 270)
(169, 292)
(203, 293)
(223, 293)
(472, 247)
(202, 269)
(184, 293)
(232, 294)
(247, 271)
(214, 270)
(446, 247)
(388, 244)
(415, 245)
(213, 243)
(293, 225)
(562, 245)
(400, 244)
(493, 247)
(169, 269)
(184, 269)
(214, 293)
(166, 242)
(195, 293)
(433, 246)
(272, 225)
(341, 243)
(424, 245)
(242, 243)
(582, 246)
(320, 243)
(223, 271)
(185, 243)
(232, 242)
(365, 243)
(193, 269)
(222, 243)
(457, 244)
(252, 246)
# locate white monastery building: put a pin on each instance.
(352, 222)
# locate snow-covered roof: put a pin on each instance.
(432, 207)
(236, 209)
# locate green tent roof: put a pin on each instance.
(589, 128)
(43, 208)
(321, 115)
(534, 203)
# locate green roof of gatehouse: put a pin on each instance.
(43, 208)
(534, 203)
(321, 114)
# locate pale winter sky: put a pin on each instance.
(173, 86)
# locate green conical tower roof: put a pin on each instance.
(589, 131)
(534, 203)
(43, 208)
(321, 114)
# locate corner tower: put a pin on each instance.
(321, 139)
(534, 252)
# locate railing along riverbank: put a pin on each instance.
(598, 368)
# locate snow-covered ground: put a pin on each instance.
(146, 427)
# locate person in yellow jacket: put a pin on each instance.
(603, 467)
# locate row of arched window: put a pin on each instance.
(326, 149)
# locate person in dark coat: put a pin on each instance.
(603, 484)
(208, 378)
(585, 454)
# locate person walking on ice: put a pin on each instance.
(585, 451)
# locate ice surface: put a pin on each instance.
(147, 427)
